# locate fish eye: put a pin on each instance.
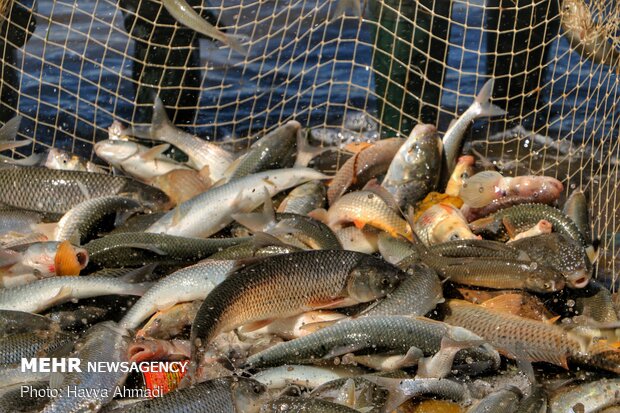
(547, 286)
(257, 389)
(385, 282)
(454, 237)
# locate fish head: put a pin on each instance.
(542, 188)
(574, 263)
(248, 395)
(452, 228)
(544, 282)
(114, 151)
(59, 159)
(422, 149)
(371, 279)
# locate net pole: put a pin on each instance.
(405, 49)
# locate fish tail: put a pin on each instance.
(486, 108)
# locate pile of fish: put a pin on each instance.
(409, 280)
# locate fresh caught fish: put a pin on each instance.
(355, 392)
(85, 220)
(56, 192)
(587, 397)
(65, 161)
(360, 240)
(307, 376)
(505, 400)
(226, 394)
(463, 170)
(254, 249)
(16, 221)
(304, 404)
(415, 168)
(511, 221)
(453, 138)
(342, 137)
(241, 195)
(138, 161)
(588, 38)
(43, 294)
(440, 223)
(415, 296)
(134, 249)
(365, 335)
(364, 208)
(272, 151)
(13, 400)
(595, 302)
(188, 284)
(401, 390)
(537, 341)
(185, 14)
(487, 186)
(304, 198)
(203, 155)
(170, 323)
(104, 342)
(560, 252)
(290, 284)
(576, 208)
(15, 322)
(293, 327)
(370, 161)
(46, 343)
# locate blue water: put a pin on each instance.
(76, 76)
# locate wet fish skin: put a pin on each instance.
(440, 223)
(560, 252)
(505, 400)
(139, 248)
(81, 221)
(171, 322)
(238, 196)
(307, 376)
(201, 153)
(290, 404)
(366, 335)
(187, 284)
(593, 396)
(62, 160)
(13, 400)
(360, 240)
(595, 302)
(272, 151)
(366, 164)
(304, 198)
(453, 138)
(478, 248)
(42, 294)
(415, 169)
(227, 394)
(251, 250)
(473, 214)
(415, 296)
(18, 221)
(56, 192)
(104, 342)
(139, 161)
(286, 285)
(355, 392)
(365, 208)
(34, 344)
(16, 322)
(576, 208)
(523, 217)
(589, 39)
(535, 402)
(537, 340)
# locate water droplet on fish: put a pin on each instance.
(570, 303)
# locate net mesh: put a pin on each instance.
(72, 67)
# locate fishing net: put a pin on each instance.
(72, 67)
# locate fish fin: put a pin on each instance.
(510, 228)
(481, 189)
(205, 176)
(396, 395)
(505, 303)
(374, 187)
(592, 253)
(66, 261)
(439, 365)
(320, 214)
(487, 109)
(359, 224)
(160, 120)
(327, 303)
(256, 325)
(139, 275)
(552, 320)
(342, 350)
(63, 294)
(305, 152)
(12, 145)
(177, 216)
(263, 239)
(56, 379)
(317, 325)
(154, 152)
(257, 221)
(8, 131)
(146, 247)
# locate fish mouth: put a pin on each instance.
(577, 279)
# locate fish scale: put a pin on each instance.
(28, 345)
(537, 340)
(56, 192)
